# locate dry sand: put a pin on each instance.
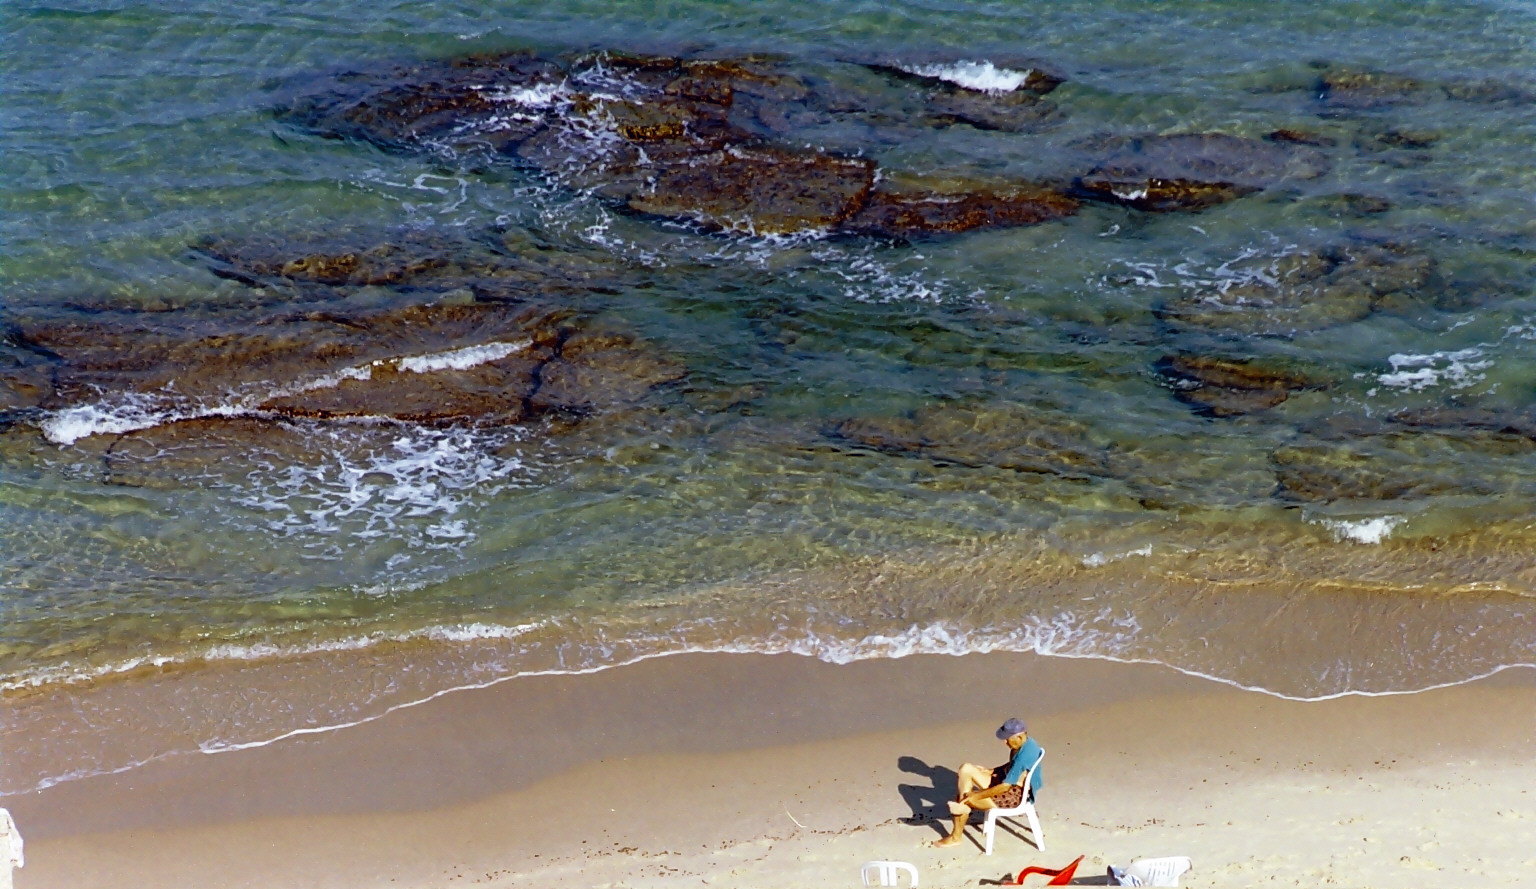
(770, 771)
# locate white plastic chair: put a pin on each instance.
(888, 872)
(1151, 872)
(1025, 808)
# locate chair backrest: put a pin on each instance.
(1029, 774)
(887, 872)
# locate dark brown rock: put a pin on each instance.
(911, 207)
(187, 355)
(1194, 170)
(492, 393)
(1231, 387)
(759, 190)
(1018, 111)
(486, 364)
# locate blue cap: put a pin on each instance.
(1014, 726)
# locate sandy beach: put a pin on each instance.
(748, 770)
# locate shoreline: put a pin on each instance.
(824, 766)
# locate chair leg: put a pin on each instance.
(1034, 826)
(988, 832)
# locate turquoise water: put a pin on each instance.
(358, 565)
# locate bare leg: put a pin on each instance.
(972, 777)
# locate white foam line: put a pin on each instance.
(214, 749)
(587, 671)
(461, 359)
(269, 651)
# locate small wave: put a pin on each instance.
(1099, 560)
(72, 674)
(462, 359)
(983, 77)
(1458, 370)
(1368, 531)
(133, 412)
(543, 95)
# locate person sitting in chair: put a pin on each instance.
(999, 788)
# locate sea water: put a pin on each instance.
(211, 609)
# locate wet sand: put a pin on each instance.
(757, 770)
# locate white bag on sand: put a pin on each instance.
(1151, 872)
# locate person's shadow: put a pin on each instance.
(929, 803)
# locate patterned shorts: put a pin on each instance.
(1010, 798)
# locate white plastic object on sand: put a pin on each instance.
(1151, 871)
(10, 848)
(887, 872)
(1025, 808)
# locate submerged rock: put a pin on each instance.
(760, 190)
(1358, 90)
(1193, 170)
(1012, 112)
(909, 208)
(601, 371)
(494, 266)
(1304, 291)
(1479, 421)
(479, 101)
(1380, 468)
(677, 139)
(1231, 387)
(26, 377)
(1003, 437)
(445, 363)
(171, 454)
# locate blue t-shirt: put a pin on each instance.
(1027, 756)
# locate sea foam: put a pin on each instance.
(462, 359)
(1369, 531)
(983, 77)
(1416, 373)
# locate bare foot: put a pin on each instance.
(945, 843)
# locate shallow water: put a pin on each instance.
(1324, 545)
